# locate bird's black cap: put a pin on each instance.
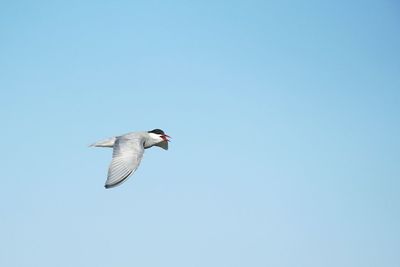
(156, 131)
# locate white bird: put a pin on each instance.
(128, 151)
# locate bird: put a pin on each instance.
(128, 150)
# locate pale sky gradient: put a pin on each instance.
(285, 118)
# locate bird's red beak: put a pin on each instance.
(165, 137)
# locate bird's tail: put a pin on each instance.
(105, 143)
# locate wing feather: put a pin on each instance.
(127, 154)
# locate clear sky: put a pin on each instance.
(285, 118)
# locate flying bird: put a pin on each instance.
(128, 151)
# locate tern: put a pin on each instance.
(128, 150)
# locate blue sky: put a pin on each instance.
(285, 124)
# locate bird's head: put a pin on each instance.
(160, 138)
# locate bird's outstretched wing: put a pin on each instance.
(127, 155)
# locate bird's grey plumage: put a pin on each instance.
(127, 154)
(105, 143)
(128, 151)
